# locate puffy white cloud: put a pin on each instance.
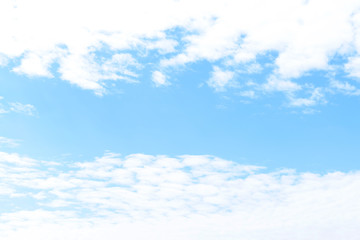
(159, 79)
(84, 71)
(221, 79)
(296, 37)
(188, 197)
(36, 64)
(353, 66)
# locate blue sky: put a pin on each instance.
(165, 115)
(185, 118)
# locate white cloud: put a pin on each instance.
(248, 94)
(36, 64)
(17, 107)
(276, 84)
(8, 142)
(164, 46)
(316, 97)
(27, 109)
(2, 109)
(296, 37)
(188, 197)
(86, 72)
(220, 80)
(159, 79)
(344, 87)
(18, 160)
(353, 66)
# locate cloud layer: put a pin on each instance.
(158, 197)
(89, 43)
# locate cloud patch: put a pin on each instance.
(89, 46)
(17, 107)
(159, 79)
(220, 80)
(8, 142)
(187, 197)
(26, 109)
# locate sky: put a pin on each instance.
(179, 119)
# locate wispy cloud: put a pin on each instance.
(27, 109)
(316, 97)
(276, 84)
(344, 87)
(8, 142)
(17, 107)
(248, 94)
(188, 197)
